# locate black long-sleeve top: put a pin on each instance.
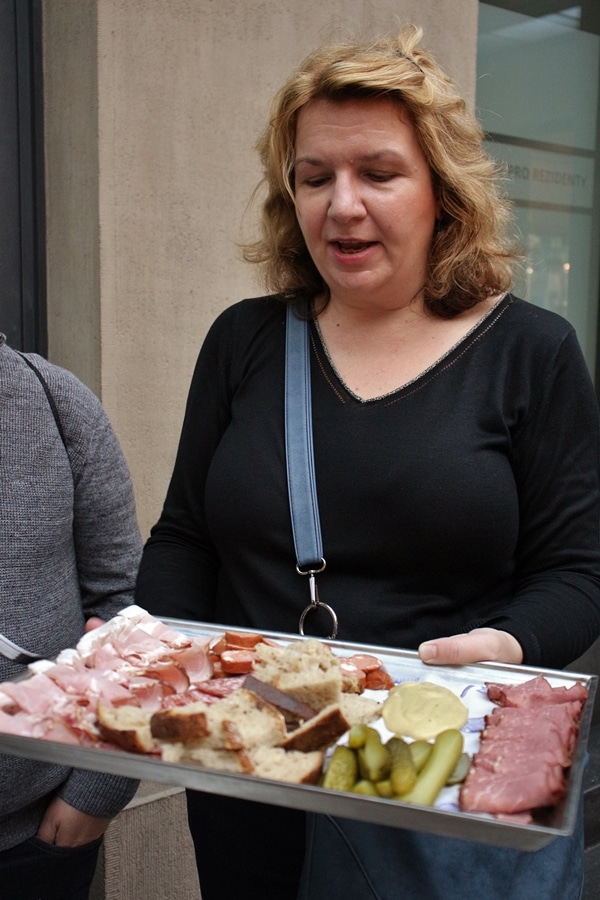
(468, 497)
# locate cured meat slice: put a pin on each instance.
(36, 695)
(237, 662)
(516, 793)
(526, 747)
(221, 687)
(537, 692)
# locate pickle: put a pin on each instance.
(357, 735)
(403, 773)
(460, 770)
(384, 789)
(443, 758)
(420, 750)
(374, 761)
(365, 787)
(342, 770)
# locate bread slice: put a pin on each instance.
(318, 733)
(359, 709)
(243, 721)
(287, 765)
(264, 762)
(237, 761)
(307, 670)
(183, 723)
(126, 726)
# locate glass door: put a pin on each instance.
(538, 79)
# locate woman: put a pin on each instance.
(456, 447)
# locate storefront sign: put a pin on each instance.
(539, 176)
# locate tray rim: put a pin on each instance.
(394, 813)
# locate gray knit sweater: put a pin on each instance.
(69, 549)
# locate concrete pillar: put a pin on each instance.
(152, 113)
(148, 853)
(152, 110)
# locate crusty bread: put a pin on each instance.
(307, 670)
(353, 680)
(126, 726)
(237, 722)
(246, 732)
(287, 765)
(243, 721)
(181, 723)
(265, 762)
(360, 710)
(318, 733)
(208, 757)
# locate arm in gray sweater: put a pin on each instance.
(69, 550)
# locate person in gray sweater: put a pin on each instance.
(69, 552)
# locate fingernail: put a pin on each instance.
(428, 652)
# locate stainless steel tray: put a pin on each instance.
(443, 819)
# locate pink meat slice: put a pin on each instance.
(221, 687)
(483, 792)
(552, 725)
(36, 695)
(513, 757)
(526, 746)
(150, 666)
(534, 693)
(194, 660)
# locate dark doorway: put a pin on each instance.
(22, 270)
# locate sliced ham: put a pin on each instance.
(36, 695)
(535, 693)
(169, 673)
(513, 757)
(526, 748)
(134, 660)
(195, 660)
(538, 745)
(511, 793)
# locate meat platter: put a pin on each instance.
(445, 818)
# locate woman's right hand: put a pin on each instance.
(479, 645)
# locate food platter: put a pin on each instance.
(444, 819)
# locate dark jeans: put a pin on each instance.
(245, 849)
(349, 860)
(35, 870)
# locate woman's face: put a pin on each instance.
(365, 200)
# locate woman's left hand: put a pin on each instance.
(479, 645)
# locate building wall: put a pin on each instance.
(152, 113)
(152, 110)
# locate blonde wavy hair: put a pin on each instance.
(471, 255)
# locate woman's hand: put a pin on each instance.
(66, 826)
(93, 623)
(479, 645)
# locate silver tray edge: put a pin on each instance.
(392, 813)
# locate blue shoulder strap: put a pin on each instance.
(302, 485)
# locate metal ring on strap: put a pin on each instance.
(311, 571)
(327, 608)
